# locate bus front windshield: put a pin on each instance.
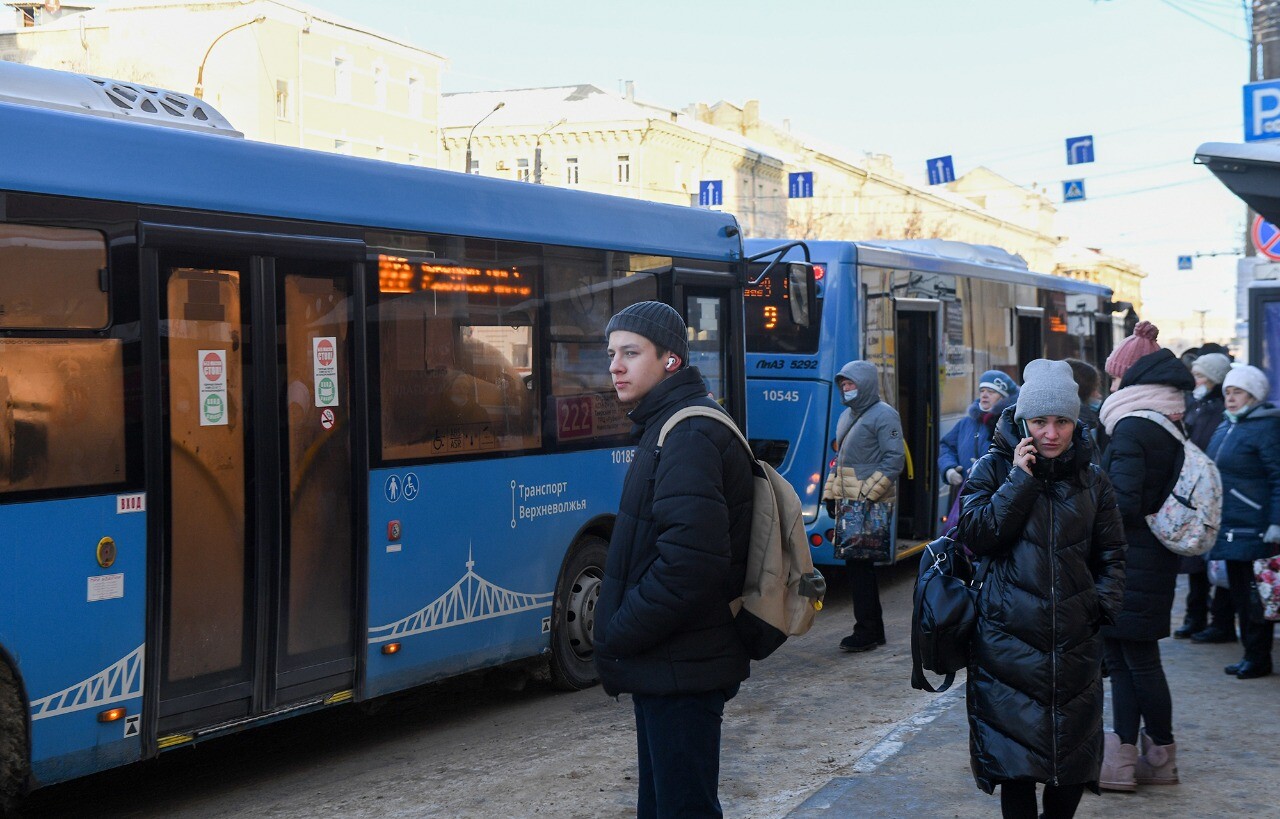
(769, 325)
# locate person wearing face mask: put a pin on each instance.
(1205, 622)
(1143, 461)
(968, 440)
(1042, 516)
(1246, 448)
(870, 454)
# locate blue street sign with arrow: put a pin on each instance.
(1079, 149)
(1073, 190)
(711, 192)
(941, 170)
(800, 185)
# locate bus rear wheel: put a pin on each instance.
(574, 616)
(13, 742)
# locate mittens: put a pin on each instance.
(1273, 534)
(954, 477)
(876, 487)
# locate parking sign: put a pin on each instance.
(1262, 110)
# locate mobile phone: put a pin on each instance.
(1022, 425)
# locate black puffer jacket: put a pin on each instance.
(1056, 546)
(1143, 461)
(678, 555)
(1203, 417)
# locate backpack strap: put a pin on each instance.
(1159, 418)
(702, 412)
(1172, 429)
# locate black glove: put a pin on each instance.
(831, 509)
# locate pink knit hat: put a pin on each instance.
(1142, 342)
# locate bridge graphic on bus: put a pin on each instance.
(469, 600)
(118, 682)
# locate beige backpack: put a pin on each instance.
(783, 591)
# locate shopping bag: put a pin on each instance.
(1266, 574)
(863, 530)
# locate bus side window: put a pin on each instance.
(62, 419)
(457, 341)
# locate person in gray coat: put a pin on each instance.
(870, 457)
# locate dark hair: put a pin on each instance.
(1214, 347)
(1086, 377)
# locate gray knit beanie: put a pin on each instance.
(1048, 388)
(1213, 366)
(658, 322)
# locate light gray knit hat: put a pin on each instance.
(1048, 388)
(1213, 366)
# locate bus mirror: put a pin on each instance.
(801, 292)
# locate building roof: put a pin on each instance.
(578, 105)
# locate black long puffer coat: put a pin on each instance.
(1055, 544)
(1143, 461)
(678, 555)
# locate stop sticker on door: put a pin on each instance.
(324, 363)
(213, 388)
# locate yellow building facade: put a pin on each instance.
(585, 138)
(281, 72)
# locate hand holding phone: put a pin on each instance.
(1024, 454)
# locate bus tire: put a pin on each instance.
(13, 742)
(573, 616)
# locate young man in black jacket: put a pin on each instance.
(663, 631)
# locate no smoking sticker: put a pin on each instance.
(326, 418)
(213, 388)
(324, 362)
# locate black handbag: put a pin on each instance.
(945, 611)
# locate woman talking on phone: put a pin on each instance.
(1043, 515)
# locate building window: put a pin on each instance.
(282, 100)
(624, 169)
(571, 170)
(475, 167)
(415, 97)
(341, 80)
(414, 159)
(379, 152)
(678, 176)
(341, 146)
(379, 86)
(522, 170)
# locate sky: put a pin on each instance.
(994, 83)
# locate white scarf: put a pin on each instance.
(1160, 398)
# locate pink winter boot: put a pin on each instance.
(1118, 761)
(1158, 764)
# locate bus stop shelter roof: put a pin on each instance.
(1251, 171)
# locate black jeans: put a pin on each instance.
(865, 588)
(1139, 690)
(1255, 632)
(678, 748)
(1219, 612)
(1018, 800)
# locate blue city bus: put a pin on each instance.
(1252, 172)
(282, 429)
(932, 315)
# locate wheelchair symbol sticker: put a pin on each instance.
(410, 486)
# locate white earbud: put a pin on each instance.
(671, 363)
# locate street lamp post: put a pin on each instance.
(467, 167)
(200, 73)
(537, 150)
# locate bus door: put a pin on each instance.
(254, 561)
(918, 362)
(715, 345)
(1030, 336)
